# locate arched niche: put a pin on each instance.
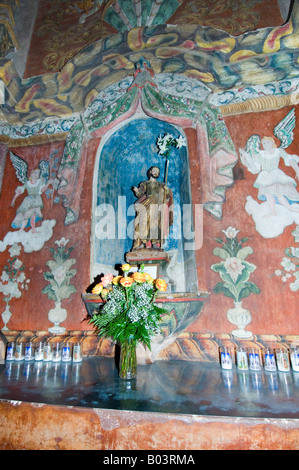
(123, 159)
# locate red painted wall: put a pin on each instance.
(274, 310)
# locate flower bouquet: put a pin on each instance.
(128, 314)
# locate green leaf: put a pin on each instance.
(221, 288)
(244, 252)
(245, 292)
(253, 288)
(221, 253)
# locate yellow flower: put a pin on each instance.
(126, 267)
(97, 289)
(105, 293)
(126, 281)
(148, 278)
(139, 277)
(115, 280)
(161, 285)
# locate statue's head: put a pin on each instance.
(153, 171)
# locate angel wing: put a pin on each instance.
(44, 167)
(20, 166)
(284, 130)
(249, 156)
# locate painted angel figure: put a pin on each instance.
(262, 157)
(29, 212)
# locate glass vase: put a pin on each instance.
(128, 360)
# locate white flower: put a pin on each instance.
(62, 242)
(11, 289)
(168, 137)
(162, 149)
(231, 232)
(180, 142)
(287, 264)
(17, 264)
(234, 267)
(294, 251)
(15, 250)
(294, 285)
(278, 272)
(21, 277)
(4, 276)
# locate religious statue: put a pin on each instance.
(154, 213)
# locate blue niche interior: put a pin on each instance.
(123, 162)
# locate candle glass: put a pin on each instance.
(282, 359)
(10, 351)
(39, 351)
(47, 353)
(66, 352)
(29, 354)
(254, 359)
(226, 357)
(19, 352)
(295, 358)
(77, 357)
(56, 352)
(242, 359)
(269, 360)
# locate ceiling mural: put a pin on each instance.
(211, 56)
(64, 27)
(8, 40)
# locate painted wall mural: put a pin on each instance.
(279, 191)
(235, 271)
(289, 269)
(3, 154)
(13, 281)
(59, 287)
(41, 179)
(195, 72)
(218, 153)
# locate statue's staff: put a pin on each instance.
(164, 145)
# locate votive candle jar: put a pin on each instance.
(242, 358)
(56, 352)
(10, 351)
(269, 360)
(39, 351)
(47, 357)
(66, 352)
(254, 359)
(282, 359)
(77, 356)
(295, 358)
(226, 357)
(29, 353)
(19, 352)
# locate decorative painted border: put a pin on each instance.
(233, 101)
